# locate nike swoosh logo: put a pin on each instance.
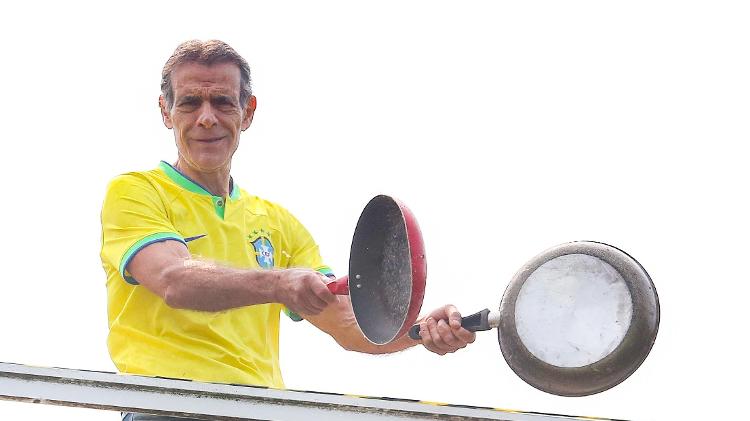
(189, 239)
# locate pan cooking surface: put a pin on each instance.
(573, 310)
(578, 319)
(380, 272)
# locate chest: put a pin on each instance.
(240, 237)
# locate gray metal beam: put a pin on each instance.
(212, 401)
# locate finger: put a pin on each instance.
(322, 292)
(464, 335)
(424, 332)
(314, 292)
(446, 335)
(315, 298)
(311, 301)
(315, 304)
(454, 316)
(438, 342)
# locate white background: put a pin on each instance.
(506, 127)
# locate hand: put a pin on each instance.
(304, 291)
(442, 333)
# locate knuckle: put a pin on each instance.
(453, 342)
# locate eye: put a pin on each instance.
(188, 103)
(223, 102)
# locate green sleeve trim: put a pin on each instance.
(292, 315)
(325, 270)
(135, 248)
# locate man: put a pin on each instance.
(193, 289)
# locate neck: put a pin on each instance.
(216, 182)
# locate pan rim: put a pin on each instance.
(607, 372)
(417, 265)
(389, 204)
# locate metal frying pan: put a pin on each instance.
(575, 320)
(387, 270)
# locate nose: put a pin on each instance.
(206, 115)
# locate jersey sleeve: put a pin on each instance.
(305, 252)
(133, 217)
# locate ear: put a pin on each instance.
(165, 116)
(249, 112)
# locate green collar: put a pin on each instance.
(188, 184)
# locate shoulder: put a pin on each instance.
(134, 188)
(133, 181)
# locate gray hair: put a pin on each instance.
(206, 53)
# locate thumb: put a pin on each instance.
(453, 316)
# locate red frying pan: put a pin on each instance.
(387, 270)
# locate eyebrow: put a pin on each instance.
(188, 98)
(221, 97)
(198, 98)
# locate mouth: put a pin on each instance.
(210, 140)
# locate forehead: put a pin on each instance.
(194, 78)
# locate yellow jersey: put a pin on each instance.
(148, 337)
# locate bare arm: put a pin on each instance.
(168, 270)
(338, 321)
(441, 330)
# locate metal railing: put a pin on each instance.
(213, 401)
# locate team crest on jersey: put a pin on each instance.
(261, 242)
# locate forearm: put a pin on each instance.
(200, 285)
(339, 322)
(361, 344)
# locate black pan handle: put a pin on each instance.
(474, 323)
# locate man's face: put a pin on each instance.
(207, 117)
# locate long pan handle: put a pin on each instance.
(341, 286)
(474, 323)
